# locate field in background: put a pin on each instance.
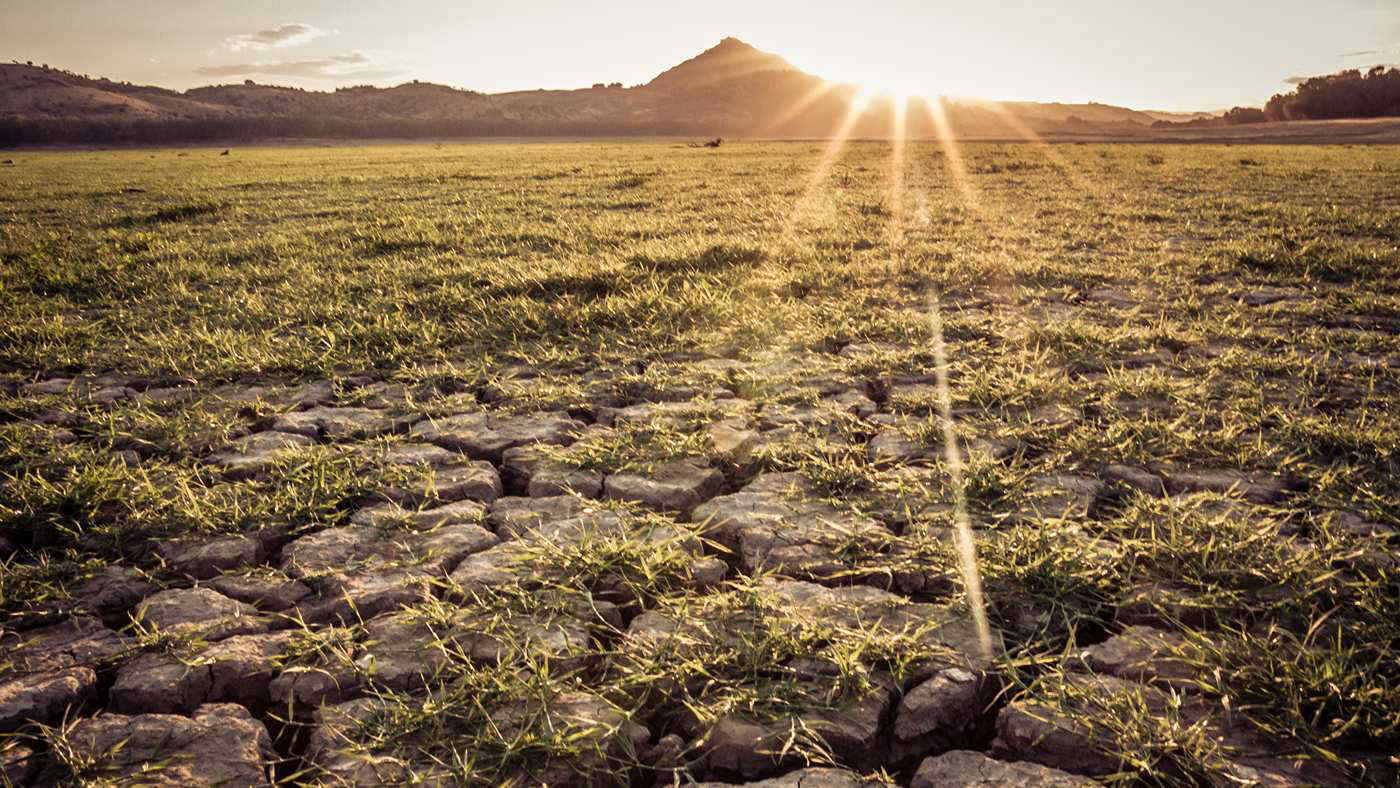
(1174, 369)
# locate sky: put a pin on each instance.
(1179, 55)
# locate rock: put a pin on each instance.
(1355, 525)
(337, 759)
(111, 593)
(221, 745)
(313, 686)
(1153, 604)
(79, 641)
(268, 589)
(677, 486)
(1136, 479)
(160, 683)
(1056, 417)
(390, 515)
(1268, 295)
(1256, 488)
(19, 763)
(203, 612)
(512, 515)
(1146, 655)
(241, 668)
(202, 559)
(339, 423)
(966, 769)
(44, 698)
(362, 596)
(414, 454)
(476, 481)
(549, 481)
(736, 747)
(816, 777)
(404, 651)
(50, 387)
(529, 470)
(594, 726)
(335, 552)
(777, 524)
(1030, 730)
(111, 394)
(1063, 496)
(945, 711)
(492, 568)
(252, 455)
(732, 441)
(485, 436)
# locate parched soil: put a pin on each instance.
(631, 464)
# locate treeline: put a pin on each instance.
(1349, 94)
(14, 132)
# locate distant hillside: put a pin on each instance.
(731, 89)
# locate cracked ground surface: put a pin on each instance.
(625, 464)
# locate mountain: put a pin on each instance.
(728, 60)
(731, 89)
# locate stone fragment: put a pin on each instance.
(944, 711)
(477, 481)
(967, 769)
(337, 759)
(487, 435)
(19, 763)
(816, 777)
(1135, 478)
(732, 441)
(533, 471)
(203, 612)
(160, 683)
(741, 748)
(334, 552)
(1146, 655)
(268, 589)
(391, 515)
(364, 595)
(221, 745)
(514, 515)
(776, 523)
(111, 593)
(1063, 496)
(1355, 525)
(313, 686)
(44, 698)
(677, 486)
(79, 641)
(1254, 487)
(203, 558)
(414, 454)
(339, 423)
(249, 457)
(1031, 730)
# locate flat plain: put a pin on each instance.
(622, 463)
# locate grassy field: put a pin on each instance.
(1174, 370)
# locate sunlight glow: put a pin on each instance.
(1029, 135)
(952, 154)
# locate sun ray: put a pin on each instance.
(854, 110)
(899, 133)
(952, 154)
(817, 93)
(1032, 136)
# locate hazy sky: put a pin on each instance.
(1181, 54)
